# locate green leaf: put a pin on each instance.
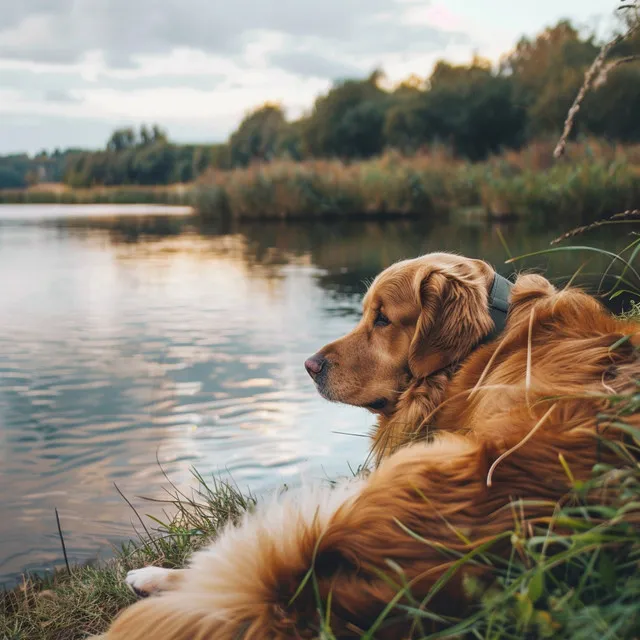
(607, 570)
(536, 585)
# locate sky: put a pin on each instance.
(71, 71)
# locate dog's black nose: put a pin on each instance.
(314, 365)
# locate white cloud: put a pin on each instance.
(197, 66)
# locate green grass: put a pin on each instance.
(72, 606)
(169, 195)
(576, 577)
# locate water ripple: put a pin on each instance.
(112, 356)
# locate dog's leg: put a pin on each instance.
(151, 580)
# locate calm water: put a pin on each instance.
(128, 335)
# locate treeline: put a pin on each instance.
(21, 170)
(472, 110)
(144, 157)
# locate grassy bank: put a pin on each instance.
(72, 605)
(593, 180)
(60, 194)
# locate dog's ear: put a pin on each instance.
(454, 316)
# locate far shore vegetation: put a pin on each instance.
(474, 135)
(593, 180)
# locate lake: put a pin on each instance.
(136, 336)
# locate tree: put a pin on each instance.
(547, 73)
(158, 134)
(11, 178)
(121, 139)
(446, 75)
(467, 107)
(348, 121)
(257, 136)
(145, 136)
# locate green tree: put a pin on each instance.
(348, 121)
(611, 108)
(257, 136)
(467, 107)
(11, 179)
(547, 72)
(121, 139)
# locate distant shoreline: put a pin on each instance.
(43, 210)
(58, 193)
(594, 180)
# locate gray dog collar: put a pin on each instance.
(499, 304)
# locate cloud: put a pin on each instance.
(307, 63)
(59, 95)
(63, 30)
(197, 66)
(383, 35)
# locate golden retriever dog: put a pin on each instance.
(499, 412)
(421, 319)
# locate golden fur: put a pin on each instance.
(506, 415)
(437, 306)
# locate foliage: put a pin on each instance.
(474, 109)
(132, 194)
(577, 191)
(258, 136)
(595, 179)
(19, 170)
(547, 73)
(346, 122)
(144, 158)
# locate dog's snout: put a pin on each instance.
(314, 365)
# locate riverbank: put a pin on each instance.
(71, 604)
(56, 193)
(593, 180)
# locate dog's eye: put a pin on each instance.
(381, 320)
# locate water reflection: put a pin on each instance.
(123, 338)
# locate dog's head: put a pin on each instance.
(418, 317)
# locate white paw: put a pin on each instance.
(148, 580)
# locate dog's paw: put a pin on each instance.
(148, 580)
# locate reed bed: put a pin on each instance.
(128, 194)
(593, 180)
